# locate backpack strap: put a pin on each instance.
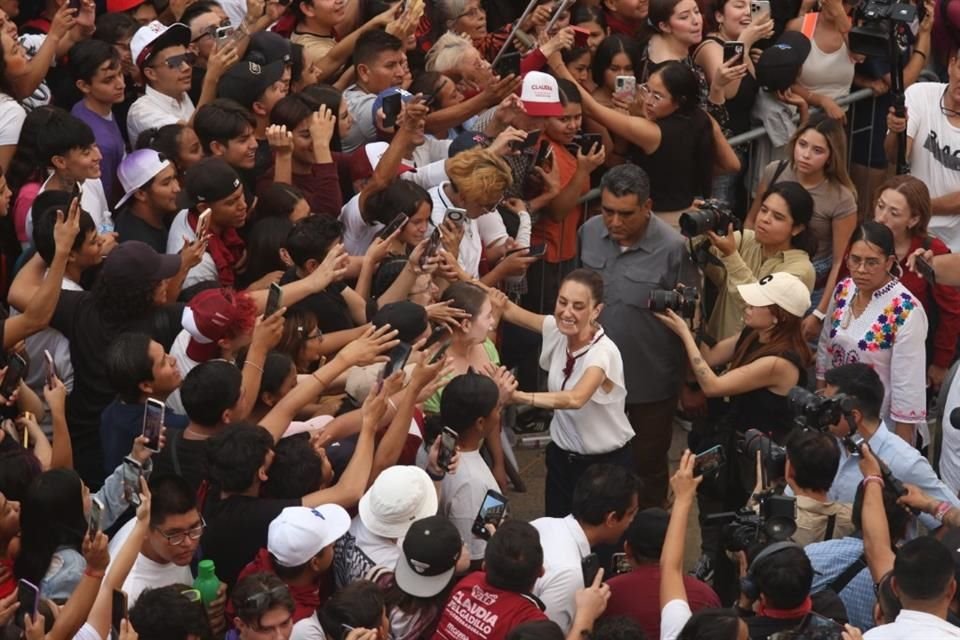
(831, 523)
(848, 574)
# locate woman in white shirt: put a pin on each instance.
(585, 387)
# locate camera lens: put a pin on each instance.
(661, 300)
(696, 222)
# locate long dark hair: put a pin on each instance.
(51, 516)
(876, 234)
(684, 88)
(785, 337)
(324, 94)
(800, 203)
(610, 47)
(26, 166)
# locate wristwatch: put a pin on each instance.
(819, 315)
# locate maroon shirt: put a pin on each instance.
(478, 611)
(636, 595)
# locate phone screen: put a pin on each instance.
(391, 109)
(131, 480)
(153, 423)
(492, 511)
(396, 223)
(273, 300)
(16, 367)
(537, 250)
(398, 359)
(732, 50)
(620, 564)
(448, 446)
(119, 611)
(93, 520)
(431, 249)
(28, 595)
(710, 460)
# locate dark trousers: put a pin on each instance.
(653, 424)
(564, 469)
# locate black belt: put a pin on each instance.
(572, 456)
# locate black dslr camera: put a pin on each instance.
(713, 215)
(683, 302)
(772, 455)
(775, 521)
(817, 412)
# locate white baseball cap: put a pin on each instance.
(399, 496)
(785, 290)
(540, 95)
(300, 533)
(137, 169)
(156, 36)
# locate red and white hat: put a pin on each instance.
(541, 95)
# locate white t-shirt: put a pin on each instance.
(308, 629)
(486, 231)
(185, 364)
(933, 157)
(359, 550)
(599, 426)
(914, 625)
(203, 272)
(673, 617)
(146, 574)
(357, 234)
(461, 495)
(950, 447)
(12, 115)
(92, 200)
(564, 546)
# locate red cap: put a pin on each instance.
(116, 6)
(214, 315)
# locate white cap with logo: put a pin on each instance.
(540, 95)
(785, 290)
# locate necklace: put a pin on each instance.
(576, 355)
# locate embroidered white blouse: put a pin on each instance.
(889, 336)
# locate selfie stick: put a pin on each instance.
(513, 32)
(556, 16)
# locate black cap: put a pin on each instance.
(209, 180)
(266, 47)
(408, 318)
(466, 141)
(431, 549)
(779, 65)
(135, 261)
(246, 81)
(647, 532)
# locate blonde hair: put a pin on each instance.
(477, 174)
(447, 52)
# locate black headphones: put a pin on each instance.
(748, 584)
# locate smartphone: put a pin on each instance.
(493, 510)
(710, 460)
(430, 100)
(544, 155)
(131, 480)
(442, 351)
(588, 142)
(391, 109)
(203, 223)
(433, 244)
(758, 8)
(448, 447)
(28, 595)
(274, 298)
(75, 4)
(508, 64)
(590, 566)
(438, 334)
(93, 519)
(533, 137)
(16, 367)
(619, 564)
(396, 223)
(820, 627)
(732, 50)
(51, 368)
(398, 360)
(118, 613)
(627, 85)
(223, 35)
(537, 250)
(456, 215)
(153, 423)
(926, 270)
(580, 37)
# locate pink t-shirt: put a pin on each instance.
(21, 207)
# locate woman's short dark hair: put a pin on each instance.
(466, 296)
(568, 92)
(589, 278)
(166, 614)
(514, 557)
(278, 200)
(660, 11)
(609, 48)
(401, 196)
(51, 516)
(18, 468)
(276, 368)
(359, 604)
(877, 234)
(248, 601)
(801, 206)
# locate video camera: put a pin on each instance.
(775, 521)
(712, 215)
(682, 302)
(876, 22)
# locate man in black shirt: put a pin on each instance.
(149, 200)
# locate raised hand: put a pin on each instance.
(370, 347)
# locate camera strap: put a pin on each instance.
(848, 574)
(831, 523)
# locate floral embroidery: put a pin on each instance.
(883, 330)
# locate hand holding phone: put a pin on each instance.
(132, 472)
(926, 270)
(590, 565)
(93, 518)
(492, 512)
(16, 368)
(203, 224)
(709, 460)
(28, 595)
(153, 423)
(274, 298)
(398, 221)
(448, 447)
(391, 110)
(118, 612)
(732, 50)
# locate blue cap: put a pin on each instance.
(405, 96)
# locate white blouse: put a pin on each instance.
(889, 336)
(601, 425)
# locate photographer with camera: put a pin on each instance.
(780, 241)
(812, 461)
(850, 406)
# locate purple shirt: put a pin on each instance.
(108, 137)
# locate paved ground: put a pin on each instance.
(529, 505)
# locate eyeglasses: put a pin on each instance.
(868, 264)
(177, 539)
(175, 62)
(647, 93)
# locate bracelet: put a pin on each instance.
(868, 479)
(254, 365)
(91, 573)
(917, 51)
(819, 315)
(941, 510)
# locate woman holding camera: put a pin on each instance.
(764, 360)
(873, 318)
(585, 386)
(779, 242)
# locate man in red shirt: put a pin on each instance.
(636, 594)
(487, 604)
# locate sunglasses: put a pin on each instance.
(175, 62)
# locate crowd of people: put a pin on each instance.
(285, 279)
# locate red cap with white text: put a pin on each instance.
(541, 95)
